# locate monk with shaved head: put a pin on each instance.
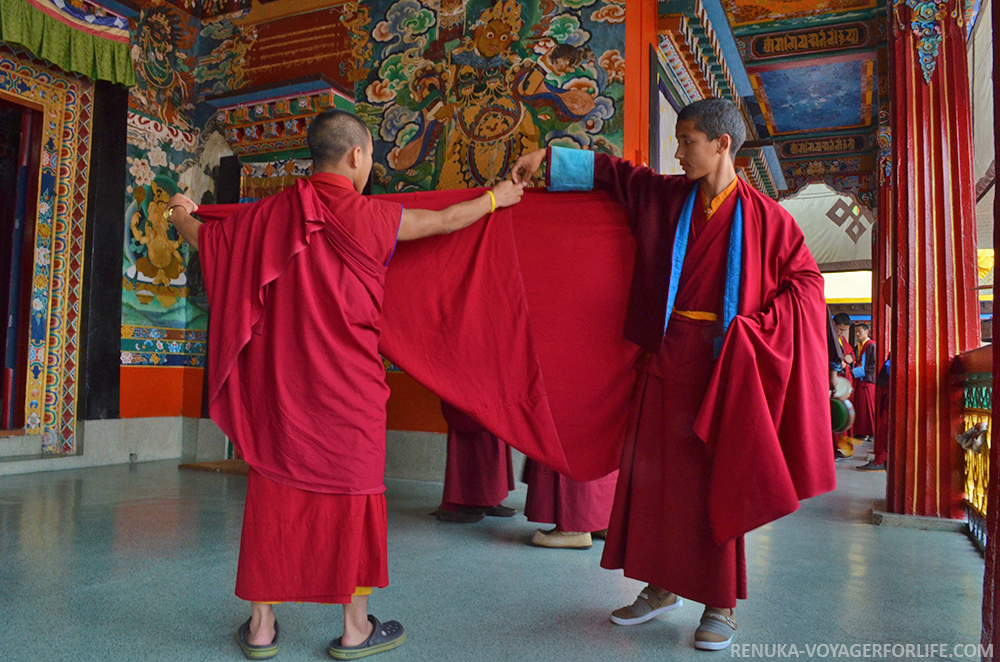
(295, 289)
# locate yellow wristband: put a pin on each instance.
(493, 202)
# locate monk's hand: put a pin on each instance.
(507, 193)
(182, 201)
(526, 166)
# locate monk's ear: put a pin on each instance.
(725, 142)
(356, 155)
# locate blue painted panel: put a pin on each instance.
(816, 97)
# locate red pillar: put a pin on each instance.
(991, 577)
(934, 254)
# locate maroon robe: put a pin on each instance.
(712, 454)
(479, 472)
(864, 392)
(572, 505)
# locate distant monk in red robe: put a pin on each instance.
(295, 288)
(865, 368)
(580, 510)
(843, 442)
(731, 419)
(478, 473)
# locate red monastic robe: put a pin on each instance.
(864, 392)
(722, 451)
(295, 288)
(479, 471)
(572, 505)
(518, 322)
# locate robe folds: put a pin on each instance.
(518, 322)
(571, 505)
(294, 284)
(479, 471)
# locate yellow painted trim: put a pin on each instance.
(860, 300)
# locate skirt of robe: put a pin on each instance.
(864, 408)
(569, 504)
(660, 531)
(300, 546)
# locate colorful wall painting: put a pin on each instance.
(172, 145)
(458, 89)
(67, 104)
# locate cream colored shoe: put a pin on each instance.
(562, 539)
(650, 604)
(716, 630)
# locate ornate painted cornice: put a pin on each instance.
(688, 38)
(926, 19)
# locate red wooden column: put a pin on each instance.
(991, 577)
(934, 253)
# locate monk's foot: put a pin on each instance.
(562, 539)
(602, 534)
(355, 636)
(715, 632)
(652, 602)
(262, 629)
(257, 651)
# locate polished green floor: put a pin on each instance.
(138, 563)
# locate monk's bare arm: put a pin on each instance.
(187, 225)
(417, 223)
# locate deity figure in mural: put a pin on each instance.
(162, 85)
(491, 127)
(162, 262)
(463, 106)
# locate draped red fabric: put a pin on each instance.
(295, 296)
(518, 322)
(771, 449)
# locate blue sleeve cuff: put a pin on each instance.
(571, 169)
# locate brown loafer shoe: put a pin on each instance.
(460, 516)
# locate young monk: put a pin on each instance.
(730, 421)
(293, 280)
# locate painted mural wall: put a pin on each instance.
(456, 90)
(172, 145)
(66, 102)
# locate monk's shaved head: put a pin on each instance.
(332, 134)
(714, 117)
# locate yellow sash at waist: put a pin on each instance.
(697, 315)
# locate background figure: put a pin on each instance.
(878, 463)
(479, 473)
(843, 442)
(864, 383)
(580, 511)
